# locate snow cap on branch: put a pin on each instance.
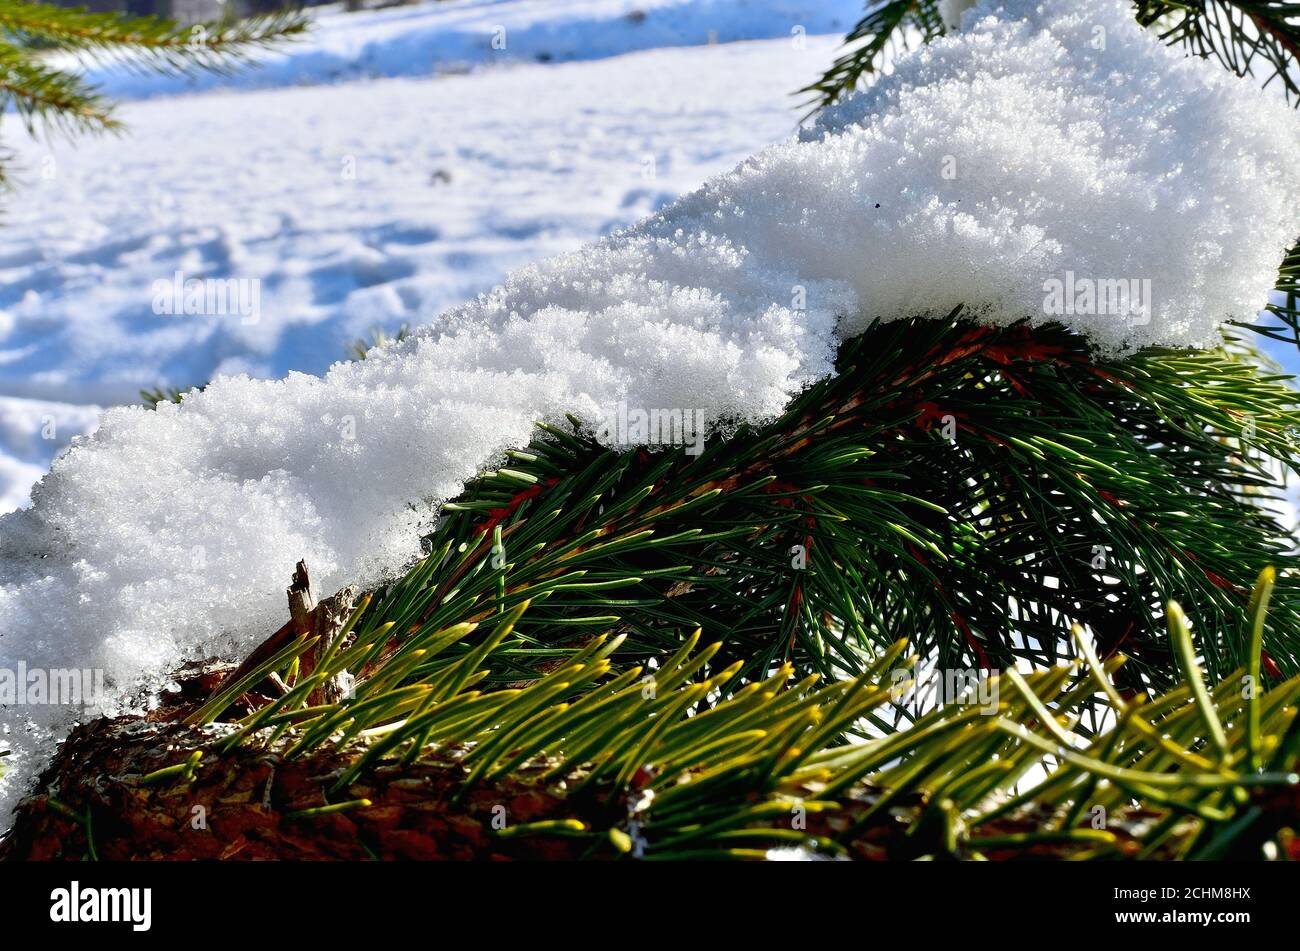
(1055, 161)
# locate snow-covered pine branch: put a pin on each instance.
(1031, 146)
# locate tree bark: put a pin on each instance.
(95, 802)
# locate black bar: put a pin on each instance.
(275, 902)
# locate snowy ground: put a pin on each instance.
(456, 36)
(362, 203)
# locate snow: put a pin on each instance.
(1065, 149)
(170, 534)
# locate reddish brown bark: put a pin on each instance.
(244, 800)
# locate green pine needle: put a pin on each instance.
(767, 767)
(55, 100)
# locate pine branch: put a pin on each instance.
(1072, 490)
(882, 31)
(1285, 305)
(59, 100)
(594, 762)
(378, 338)
(1243, 35)
(145, 42)
(161, 394)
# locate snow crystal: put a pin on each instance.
(1042, 144)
